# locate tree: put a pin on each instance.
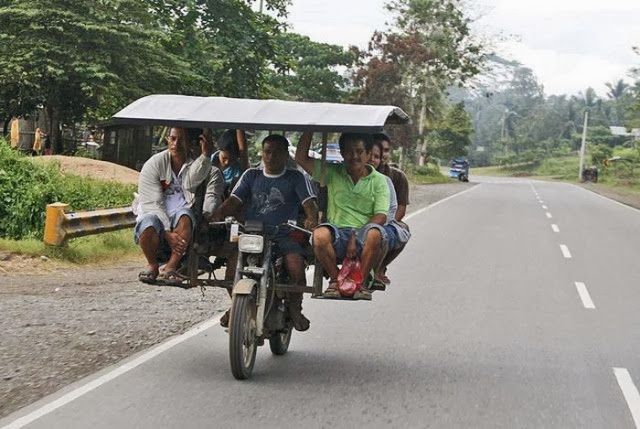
(452, 136)
(617, 90)
(428, 47)
(307, 71)
(73, 57)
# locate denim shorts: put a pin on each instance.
(151, 220)
(291, 244)
(397, 234)
(341, 237)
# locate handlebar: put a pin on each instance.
(294, 225)
(229, 220)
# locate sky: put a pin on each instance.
(569, 44)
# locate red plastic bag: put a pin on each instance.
(350, 277)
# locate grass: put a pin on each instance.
(427, 175)
(92, 249)
(419, 179)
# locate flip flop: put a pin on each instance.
(332, 292)
(376, 284)
(170, 278)
(148, 276)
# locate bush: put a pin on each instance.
(26, 188)
(600, 152)
(428, 170)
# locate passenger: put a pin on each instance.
(401, 186)
(214, 188)
(273, 194)
(358, 204)
(165, 219)
(231, 158)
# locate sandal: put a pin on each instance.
(170, 278)
(363, 294)
(332, 291)
(148, 276)
(376, 284)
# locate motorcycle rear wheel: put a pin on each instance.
(242, 336)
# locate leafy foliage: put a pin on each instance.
(428, 48)
(452, 135)
(26, 188)
(515, 122)
(307, 71)
(74, 57)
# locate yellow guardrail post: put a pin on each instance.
(54, 234)
(60, 225)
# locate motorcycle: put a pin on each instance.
(259, 309)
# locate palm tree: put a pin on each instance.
(617, 90)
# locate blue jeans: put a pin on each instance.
(341, 237)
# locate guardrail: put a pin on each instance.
(61, 226)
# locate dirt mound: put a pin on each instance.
(92, 168)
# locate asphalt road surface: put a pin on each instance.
(514, 305)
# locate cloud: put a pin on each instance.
(341, 22)
(569, 44)
(568, 73)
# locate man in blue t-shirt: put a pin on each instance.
(273, 194)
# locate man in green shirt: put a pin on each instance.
(358, 203)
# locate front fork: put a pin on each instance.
(261, 296)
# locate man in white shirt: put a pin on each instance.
(166, 189)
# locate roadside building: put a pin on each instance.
(127, 145)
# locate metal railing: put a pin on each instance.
(61, 226)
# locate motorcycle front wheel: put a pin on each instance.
(279, 343)
(242, 336)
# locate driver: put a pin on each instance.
(273, 194)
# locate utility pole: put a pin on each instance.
(584, 144)
(261, 5)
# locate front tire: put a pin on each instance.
(279, 343)
(242, 336)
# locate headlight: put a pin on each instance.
(248, 243)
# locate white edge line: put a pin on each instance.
(606, 198)
(630, 393)
(555, 228)
(121, 369)
(424, 209)
(584, 296)
(565, 251)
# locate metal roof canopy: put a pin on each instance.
(277, 115)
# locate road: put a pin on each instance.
(514, 305)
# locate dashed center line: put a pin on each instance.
(584, 296)
(565, 251)
(630, 393)
(555, 228)
(545, 207)
(549, 215)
